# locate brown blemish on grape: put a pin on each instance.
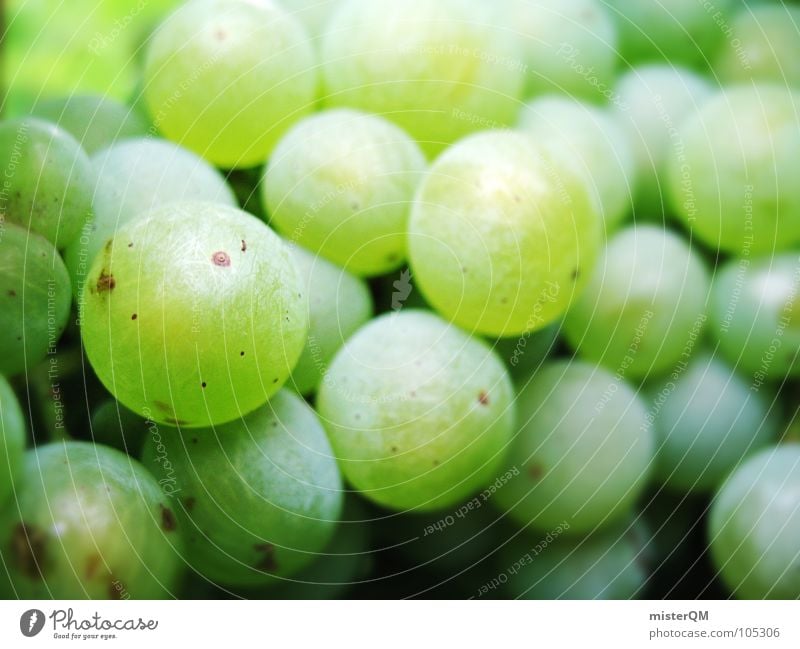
(241, 353)
(266, 563)
(220, 34)
(168, 522)
(12, 293)
(189, 503)
(436, 463)
(177, 422)
(275, 380)
(92, 566)
(576, 274)
(106, 282)
(134, 316)
(535, 472)
(221, 258)
(130, 245)
(194, 440)
(163, 407)
(244, 245)
(109, 243)
(28, 549)
(483, 398)
(203, 385)
(395, 449)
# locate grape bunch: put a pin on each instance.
(435, 298)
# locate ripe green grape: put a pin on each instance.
(35, 298)
(592, 139)
(137, 175)
(754, 314)
(419, 413)
(439, 68)
(735, 185)
(583, 451)
(570, 47)
(755, 523)
(707, 420)
(95, 121)
(764, 46)
(341, 183)
(645, 306)
(89, 522)
(259, 497)
(652, 103)
(194, 314)
(48, 181)
(338, 304)
(502, 234)
(114, 425)
(12, 439)
(244, 72)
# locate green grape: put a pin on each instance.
(645, 306)
(90, 523)
(338, 304)
(735, 183)
(609, 565)
(524, 355)
(419, 413)
(583, 452)
(707, 420)
(678, 31)
(260, 496)
(592, 139)
(193, 314)
(226, 78)
(764, 46)
(35, 298)
(314, 14)
(755, 316)
(12, 439)
(114, 425)
(94, 120)
(652, 103)
(135, 176)
(48, 181)
(341, 183)
(502, 235)
(570, 47)
(441, 69)
(755, 523)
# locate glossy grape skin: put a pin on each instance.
(341, 183)
(194, 314)
(48, 179)
(735, 187)
(35, 298)
(338, 304)
(583, 450)
(95, 121)
(137, 175)
(441, 69)
(13, 433)
(502, 235)
(753, 309)
(707, 420)
(645, 305)
(593, 139)
(765, 47)
(246, 72)
(259, 497)
(90, 523)
(755, 523)
(419, 414)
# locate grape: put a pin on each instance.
(592, 139)
(12, 439)
(341, 183)
(583, 451)
(441, 69)
(707, 420)
(764, 46)
(226, 78)
(193, 314)
(645, 306)
(735, 183)
(94, 120)
(338, 305)
(48, 180)
(753, 309)
(570, 47)
(678, 31)
(502, 235)
(137, 175)
(607, 565)
(91, 523)
(418, 412)
(652, 104)
(35, 298)
(755, 523)
(259, 497)
(114, 425)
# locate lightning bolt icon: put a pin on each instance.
(34, 617)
